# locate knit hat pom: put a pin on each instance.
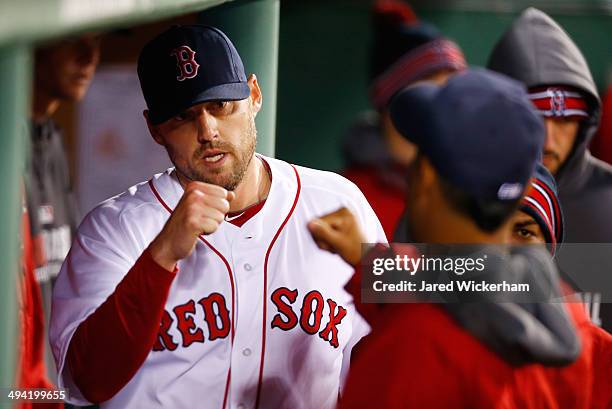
(393, 12)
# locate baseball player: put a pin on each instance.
(472, 354)
(202, 287)
(539, 220)
(404, 51)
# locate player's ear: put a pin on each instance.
(256, 97)
(429, 176)
(422, 179)
(153, 129)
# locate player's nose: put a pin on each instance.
(207, 126)
(549, 141)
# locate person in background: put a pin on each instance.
(62, 73)
(404, 51)
(539, 220)
(538, 52)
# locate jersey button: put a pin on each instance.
(248, 267)
(246, 351)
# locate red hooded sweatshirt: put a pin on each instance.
(418, 356)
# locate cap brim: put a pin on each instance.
(411, 112)
(225, 92)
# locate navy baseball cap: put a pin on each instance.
(188, 65)
(479, 130)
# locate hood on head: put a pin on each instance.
(538, 52)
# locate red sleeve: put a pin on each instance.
(112, 343)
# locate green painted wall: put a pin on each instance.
(477, 33)
(322, 78)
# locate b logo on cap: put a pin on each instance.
(186, 63)
(557, 102)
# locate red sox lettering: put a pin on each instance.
(218, 323)
(283, 298)
(217, 319)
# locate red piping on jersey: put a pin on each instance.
(229, 271)
(227, 383)
(265, 288)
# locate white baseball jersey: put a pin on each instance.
(278, 325)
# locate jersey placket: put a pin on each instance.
(248, 248)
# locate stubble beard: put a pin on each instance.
(242, 154)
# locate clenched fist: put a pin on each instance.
(339, 233)
(200, 211)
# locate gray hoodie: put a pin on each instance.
(538, 52)
(536, 330)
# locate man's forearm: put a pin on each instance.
(109, 347)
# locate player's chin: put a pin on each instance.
(225, 180)
(74, 92)
(551, 163)
(220, 176)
